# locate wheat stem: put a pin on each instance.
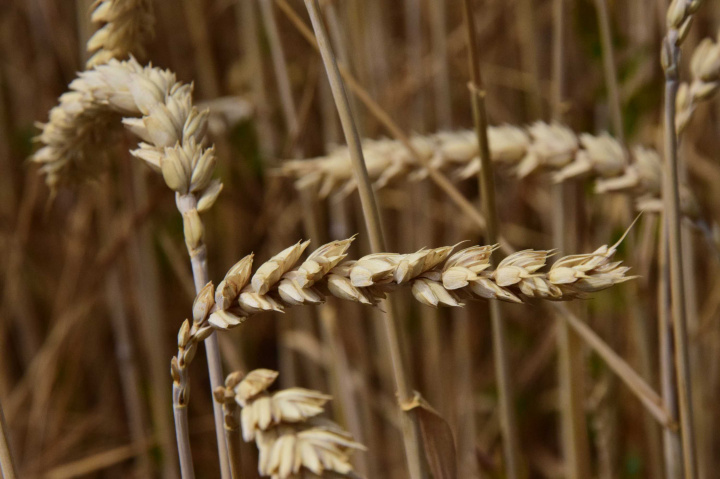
(7, 466)
(371, 213)
(672, 448)
(609, 69)
(671, 202)
(508, 422)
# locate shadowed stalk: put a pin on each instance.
(671, 207)
(672, 449)
(487, 189)
(570, 357)
(441, 78)
(411, 436)
(339, 370)
(7, 466)
(250, 44)
(609, 69)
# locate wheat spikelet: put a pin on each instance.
(545, 147)
(705, 70)
(126, 25)
(437, 277)
(293, 441)
(156, 108)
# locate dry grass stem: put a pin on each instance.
(679, 19)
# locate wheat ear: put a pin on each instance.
(293, 441)
(679, 19)
(160, 111)
(437, 277)
(544, 147)
(125, 27)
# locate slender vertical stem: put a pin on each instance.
(182, 434)
(441, 79)
(609, 69)
(410, 430)
(250, 44)
(7, 466)
(570, 358)
(671, 440)
(198, 261)
(487, 190)
(671, 203)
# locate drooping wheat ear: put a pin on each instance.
(293, 441)
(157, 108)
(705, 70)
(126, 26)
(539, 147)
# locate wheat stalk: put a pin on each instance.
(680, 15)
(126, 25)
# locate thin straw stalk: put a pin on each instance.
(487, 190)
(411, 433)
(671, 203)
(7, 466)
(570, 359)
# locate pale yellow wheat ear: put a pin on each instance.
(292, 439)
(125, 26)
(705, 71)
(519, 151)
(436, 277)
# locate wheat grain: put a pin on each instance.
(545, 147)
(126, 26)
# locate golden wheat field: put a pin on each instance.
(381, 239)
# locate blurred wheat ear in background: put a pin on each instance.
(302, 165)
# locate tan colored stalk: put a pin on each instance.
(508, 422)
(441, 78)
(413, 49)
(410, 429)
(608, 54)
(248, 40)
(527, 33)
(226, 397)
(680, 15)
(570, 355)
(649, 398)
(7, 465)
(672, 447)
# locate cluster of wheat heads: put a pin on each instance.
(437, 277)
(293, 441)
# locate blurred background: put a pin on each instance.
(95, 280)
